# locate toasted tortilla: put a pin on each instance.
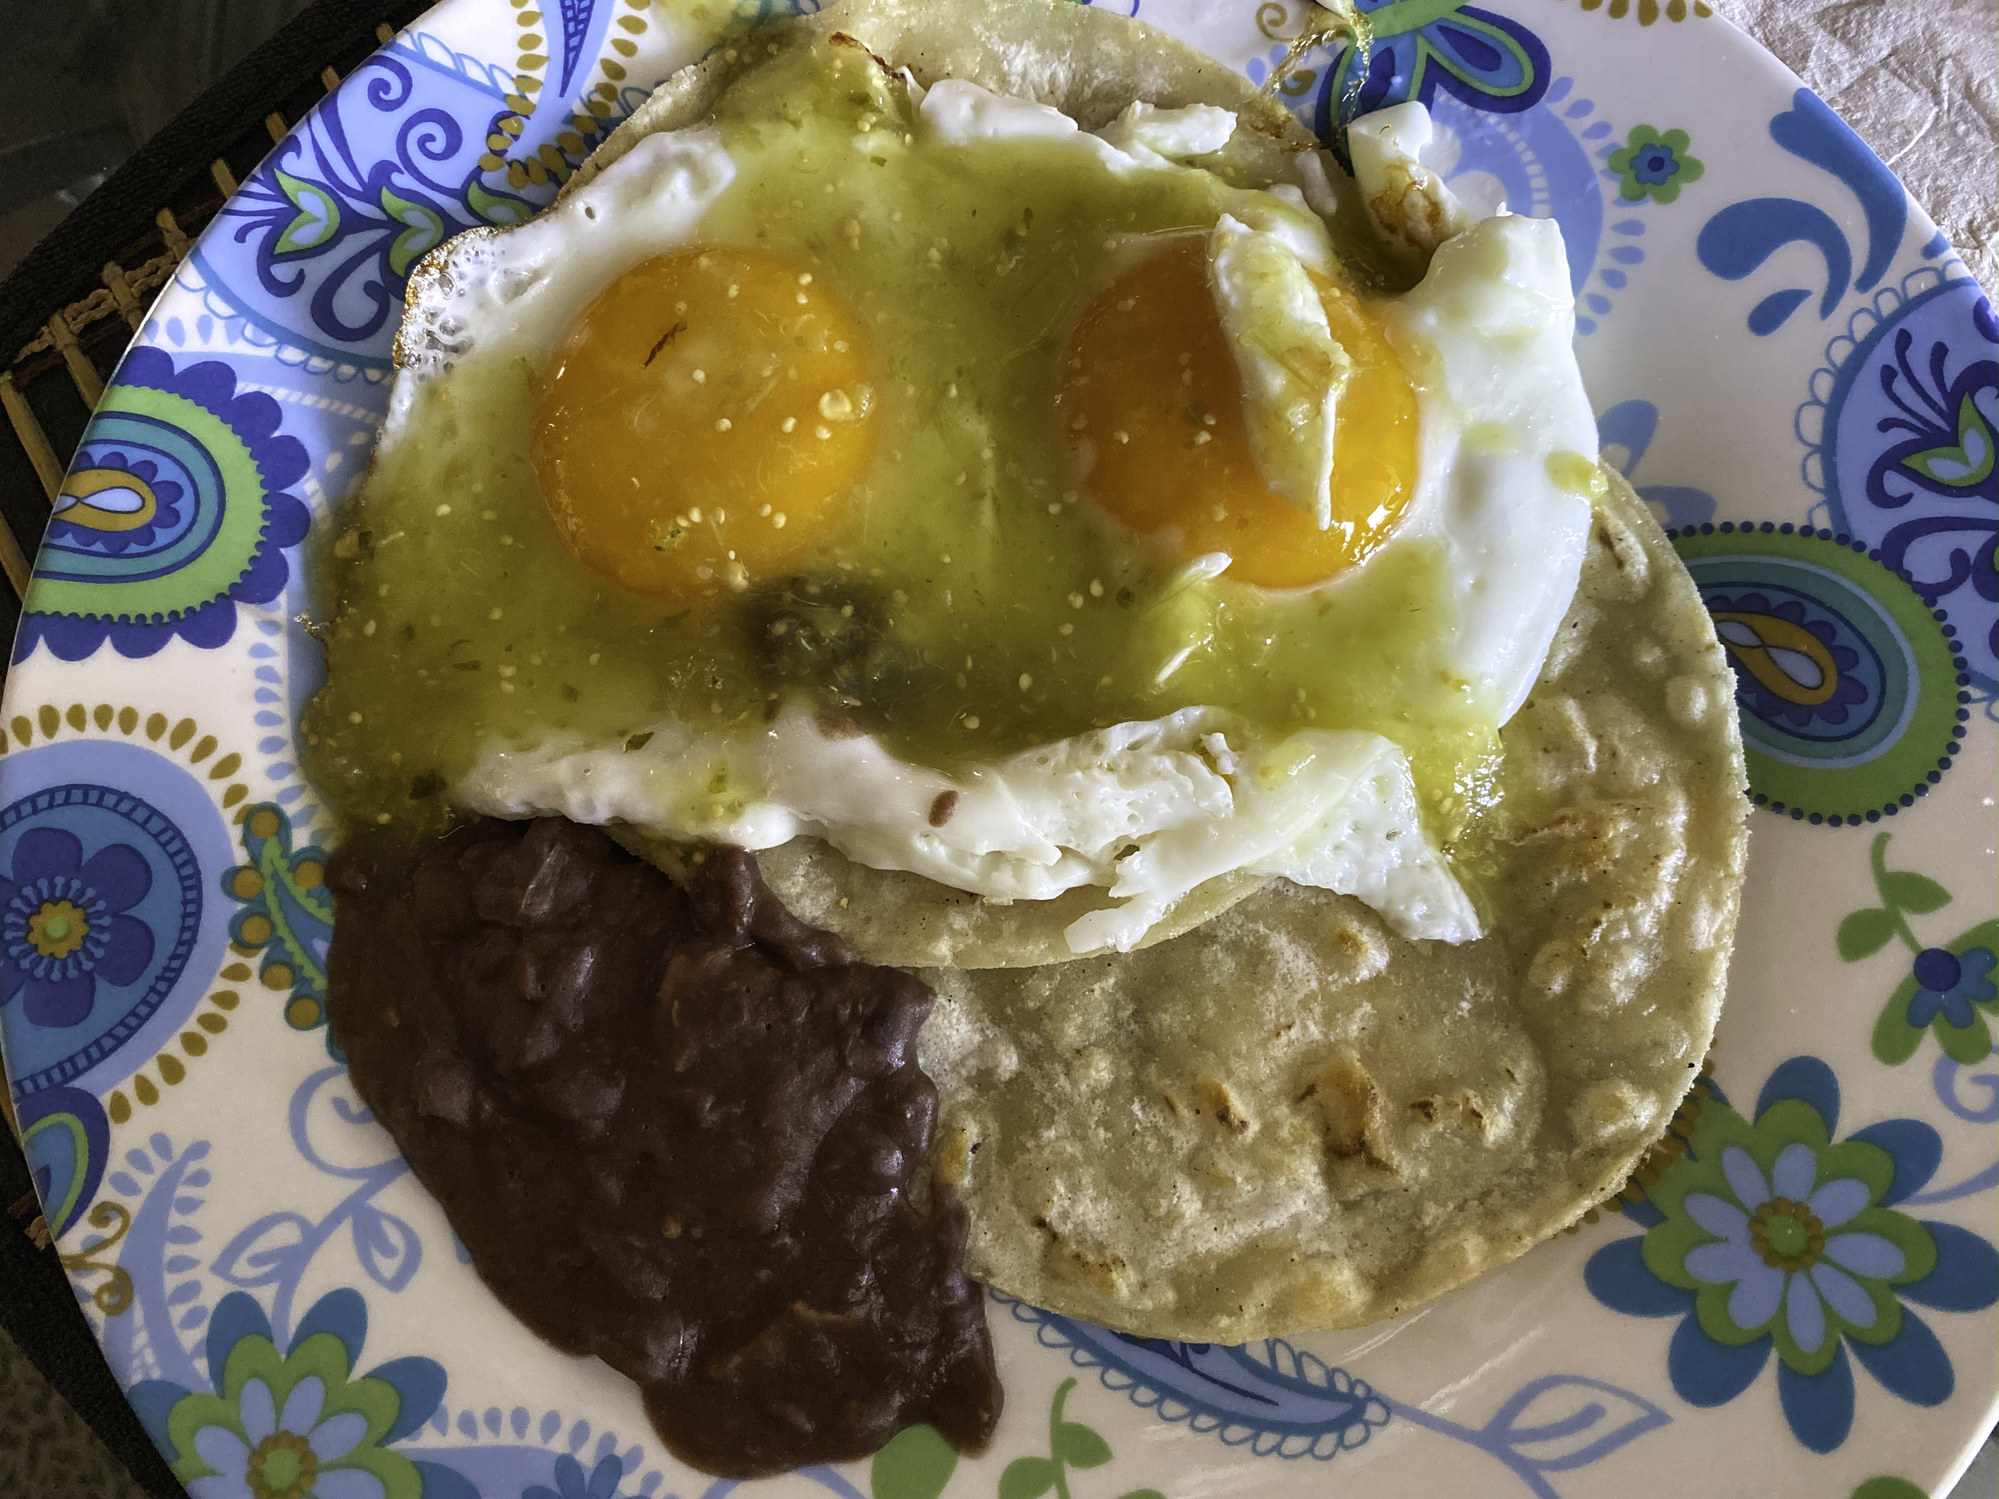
(1088, 63)
(1290, 1118)
(1280, 1116)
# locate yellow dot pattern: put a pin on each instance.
(183, 737)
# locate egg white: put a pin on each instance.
(1147, 809)
(1506, 436)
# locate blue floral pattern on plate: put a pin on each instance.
(242, 1230)
(1948, 984)
(300, 1422)
(1766, 1235)
(64, 925)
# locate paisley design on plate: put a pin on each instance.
(315, 249)
(422, 142)
(66, 1139)
(175, 511)
(1850, 686)
(549, 49)
(1740, 240)
(1270, 1397)
(1901, 429)
(1277, 1400)
(286, 913)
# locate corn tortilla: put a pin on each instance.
(1291, 1118)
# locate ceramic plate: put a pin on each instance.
(1796, 1295)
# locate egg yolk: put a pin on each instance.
(704, 422)
(1152, 405)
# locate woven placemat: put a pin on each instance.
(75, 301)
(69, 309)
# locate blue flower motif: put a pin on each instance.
(63, 927)
(1949, 983)
(1769, 1236)
(570, 1482)
(1655, 163)
(1775, 1222)
(300, 1440)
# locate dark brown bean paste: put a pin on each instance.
(675, 1130)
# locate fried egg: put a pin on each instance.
(1015, 505)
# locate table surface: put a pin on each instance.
(1918, 79)
(60, 135)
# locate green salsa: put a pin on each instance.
(972, 602)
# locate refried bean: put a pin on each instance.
(677, 1130)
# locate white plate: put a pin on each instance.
(1787, 360)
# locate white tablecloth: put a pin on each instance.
(1919, 79)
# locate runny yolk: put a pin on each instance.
(704, 422)
(1152, 405)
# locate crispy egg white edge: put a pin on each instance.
(496, 294)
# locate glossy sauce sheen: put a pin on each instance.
(677, 1131)
(577, 542)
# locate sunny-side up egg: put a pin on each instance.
(1014, 505)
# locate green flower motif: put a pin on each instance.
(317, 219)
(284, 1423)
(286, 912)
(423, 230)
(1766, 1235)
(298, 1424)
(1777, 1231)
(1653, 165)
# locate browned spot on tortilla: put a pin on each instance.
(952, 1159)
(1466, 1103)
(841, 39)
(836, 725)
(1225, 1106)
(1349, 1107)
(942, 808)
(1105, 1270)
